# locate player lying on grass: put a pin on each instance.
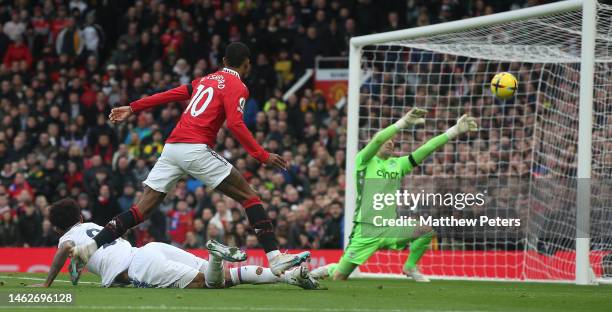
(188, 151)
(157, 264)
(376, 163)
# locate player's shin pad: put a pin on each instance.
(118, 226)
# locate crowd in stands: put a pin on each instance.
(65, 64)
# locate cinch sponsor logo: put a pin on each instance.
(388, 175)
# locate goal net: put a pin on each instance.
(524, 158)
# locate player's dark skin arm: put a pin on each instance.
(61, 255)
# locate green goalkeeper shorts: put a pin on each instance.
(360, 249)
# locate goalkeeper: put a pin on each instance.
(377, 169)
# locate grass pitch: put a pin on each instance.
(359, 295)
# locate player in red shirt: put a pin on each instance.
(188, 151)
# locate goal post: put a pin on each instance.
(585, 124)
(561, 54)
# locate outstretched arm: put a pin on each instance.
(417, 157)
(61, 255)
(121, 113)
(181, 93)
(464, 124)
(412, 118)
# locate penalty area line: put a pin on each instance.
(42, 279)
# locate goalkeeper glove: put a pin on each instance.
(464, 124)
(412, 118)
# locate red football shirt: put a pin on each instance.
(212, 99)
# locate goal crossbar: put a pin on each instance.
(460, 25)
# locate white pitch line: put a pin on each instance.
(203, 308)
(42, 279)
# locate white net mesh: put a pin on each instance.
(535, 40)
(524, 154)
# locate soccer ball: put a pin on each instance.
(504, 85)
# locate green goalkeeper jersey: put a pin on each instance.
(383, 176)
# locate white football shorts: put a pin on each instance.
(180, 159)
(158, 265)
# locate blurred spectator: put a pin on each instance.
(238, 236)
(10, 234)
(18, 52)
(213, 232)
(16, 27)
(140, 171)
(85, 205)
(262, 80)
(191, 241)
(73, 176)
(127, 198)
(181, 222)
(309, 47)
(199, 230)
(105, 206)
(222, 217)
(154, 148)
(182, 70)
(334, 228)
(93, 35)
(70, 40)
(30, 224)
(252, 243)
(49, 237)
(122, 177)
(20, 185)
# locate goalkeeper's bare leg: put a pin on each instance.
(234, 186)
